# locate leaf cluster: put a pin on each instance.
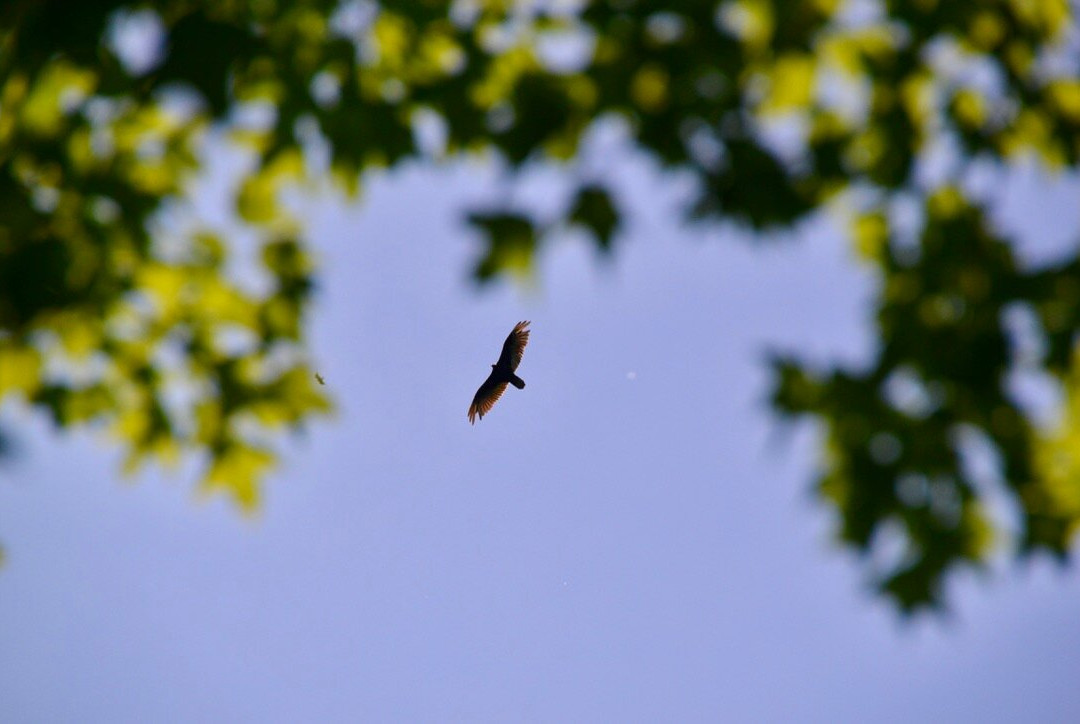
(777, 109)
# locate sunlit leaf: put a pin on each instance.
(20, 368)
(511, 243)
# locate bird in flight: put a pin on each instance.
(502, 373)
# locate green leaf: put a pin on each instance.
(594, 209)
(511, 241)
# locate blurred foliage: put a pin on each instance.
(778, 109)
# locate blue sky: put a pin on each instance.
(630, 538)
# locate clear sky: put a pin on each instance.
(630, 538)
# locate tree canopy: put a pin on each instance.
(120, 310)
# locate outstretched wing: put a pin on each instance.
(514, 347)
(486, 397)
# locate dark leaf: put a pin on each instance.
(595, 210)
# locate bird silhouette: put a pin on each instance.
(502, 373)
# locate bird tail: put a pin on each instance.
(517, 382)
